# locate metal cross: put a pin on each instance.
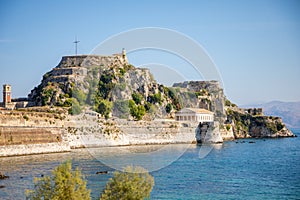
(76, 42)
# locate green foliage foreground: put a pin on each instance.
(135, 183)
(64, 184)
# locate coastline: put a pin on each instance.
(45, 133)
(52, 148)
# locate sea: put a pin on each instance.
(240, 169)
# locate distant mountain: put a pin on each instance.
(288, 111)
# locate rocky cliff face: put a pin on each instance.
(245, 125)
(72, 72)
(288, 111)
(91, 79)
(209, 95)
(110, 84)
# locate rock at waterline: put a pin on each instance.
(102, 172)
(2, 176)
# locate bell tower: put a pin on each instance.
(6, 94)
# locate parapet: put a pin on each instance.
(91, 60)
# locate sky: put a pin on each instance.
(255, 45)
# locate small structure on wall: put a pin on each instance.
(194, 114)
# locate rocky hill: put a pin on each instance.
(288, 111)
(111, 86)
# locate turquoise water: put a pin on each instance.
(265, 169)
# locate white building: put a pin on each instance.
(194, 114)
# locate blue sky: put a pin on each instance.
(254, 44)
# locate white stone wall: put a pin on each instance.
(14, 150)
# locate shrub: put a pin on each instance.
(136, 111)
(26, 117)
(134, 183)
(68, 102)
(137, 98)
(171, 93)
(175, 100)
(279, 126)
(169, 108)
(156, 98)
(105, 85)
(122, 71)
(229, 103)
(104, 108)
(47, 95)
(64, 184)
(228, 126)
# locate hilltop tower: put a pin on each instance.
(124, 56)
(6, 94)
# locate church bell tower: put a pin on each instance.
(6, 94)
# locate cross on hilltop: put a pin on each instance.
(76, 42)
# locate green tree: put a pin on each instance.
(104, 108)
(136, 111)
(156, 98)
(47, 94)
(137, 98)
(134, 183)
(169, 108)
(105, 85)
(64, 184)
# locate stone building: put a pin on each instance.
(6, 94)
(9, 103)
(194, 114)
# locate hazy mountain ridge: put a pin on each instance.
(288, 111)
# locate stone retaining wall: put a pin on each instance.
(28, 135)
(26, 149)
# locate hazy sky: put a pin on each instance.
(254, 44)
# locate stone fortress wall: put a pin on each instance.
(24, 132)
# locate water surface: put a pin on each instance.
(265, 169)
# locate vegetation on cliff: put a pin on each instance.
(248, 125)
(108, 88)
(113, 87)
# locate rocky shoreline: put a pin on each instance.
(84, 131)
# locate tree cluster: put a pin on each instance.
(133, 183)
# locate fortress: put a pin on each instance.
(47, 125)
(70, 69)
